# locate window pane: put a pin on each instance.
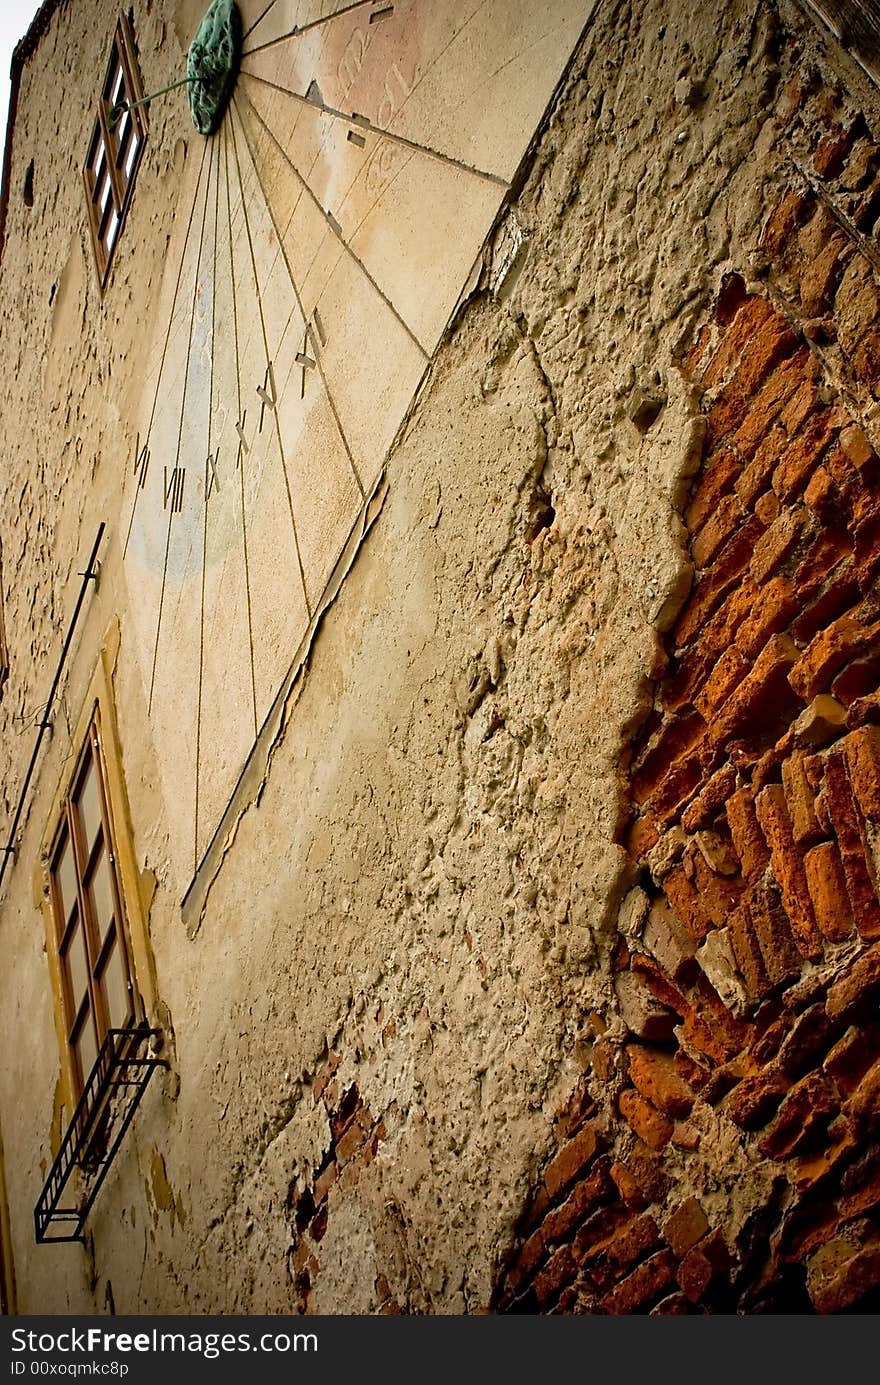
(101, 893)
(89, 804)
(114, 980)
(131, 156)
(77, 967)
(86, 1048)
(65, 876)
(112, 232)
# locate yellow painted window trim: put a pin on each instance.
(7, 1270)
(99, 705)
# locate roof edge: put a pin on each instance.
(24, 49)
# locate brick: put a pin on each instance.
(586, 1196)
(679, 736)
(787, 866)
(802, 1118)
(853, 1054)
(676, 789)
(860, 166)
(648, 1123)
(828, 549)
(643, 834)
(726, 414)
(747, 953)
(864, 711)
(726, 676)
(857, 678)
(748, 839)
(767, 346)
(324, 1075)
(701, 1266)
(866, 1199)
(754, 478)
(355, 1134)
(629, 1187)
(324, 1182)
(851, 997)
(762, 699)
(687, 1225)
(643, 1286)
(776, 543)
(823, 721)
(566, 1166)
(862, 749)
(770, 613)
(848, 827)
(834, 598)
(718, 855)
(772, 929)
(687, 904)
(672, 945)
(723, 522)
(866, 360)
(822, 275)
(655, 1076)
(771, 399)
(717, 581)
(840, 1274)
(716, 482)
(556, 1274)
(799, 798)
(827, 653)
(752, 1103)
(799, 407)
(830, 153)
(815, 1172)
(786, 217)
(809, 1036)
(821, 495)
(767, 507)
(859, 454)
(751, 315)
(641, 1012)
(800, 458)
(611, 1258)
(730, 1034)
(705, 808)
(827, 885)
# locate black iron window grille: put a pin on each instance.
(110, 1097)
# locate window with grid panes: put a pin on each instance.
(87, 910)
(115, 149)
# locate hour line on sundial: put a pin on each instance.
(242, 439)
(267, 393)
(141, 463)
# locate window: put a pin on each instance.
(86, 907)
(115, 149)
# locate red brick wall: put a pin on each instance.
(746, 1030)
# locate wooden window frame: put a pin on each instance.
(134, 888)
(117, 150)
(81, 916)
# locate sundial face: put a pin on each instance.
(325, 231)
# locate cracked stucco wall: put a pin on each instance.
(428, 886)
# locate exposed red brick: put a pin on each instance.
(787, 865)
(859, 453)
(848, 827)
(773, 931)
(571, 1159)
(821, 276)
(730, 1033)
(767, 507)
(827, 885)
(821, 722)
(834, 598)
(672, 945)
(856, 303)
(583, 1200)
(827, 653)
(821, 495)
(851, 997)
(654, 1074)
(324, 1074)
(865, 1199)
(679, 735)
(827, 550)
(771, 610)
(702, 1264)
(800, 800)
(756, 477)
(766, 347)
(687, 1225)
(799, 407)
(830, 153)
(717, 581)
(862, 749)
(748, 839)
(648, 1123)
(809, 1036)
(644, 1285)
(802, 1118)
(852, 1056)
(608, 1260)
(866, 360)
(751, 315)
(747, 952)
(676, 788)
(686, 902)
(786, 216)
(726, 676)
(711, 799)
(558, 1272)
(629, 1187)
(715, 483)
(642, 1013)
(722, 523)
(840, 1274)
(762, 697)
(799, 459)
(754, 422)
(859, 677)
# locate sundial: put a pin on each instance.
(350, 162)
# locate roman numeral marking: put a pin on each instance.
(354, 138)
(267, 393)
(173, 490)
(242, 440)
(313, 336)
(212, 479)
(141, 463)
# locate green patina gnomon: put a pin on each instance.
(212, 64)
